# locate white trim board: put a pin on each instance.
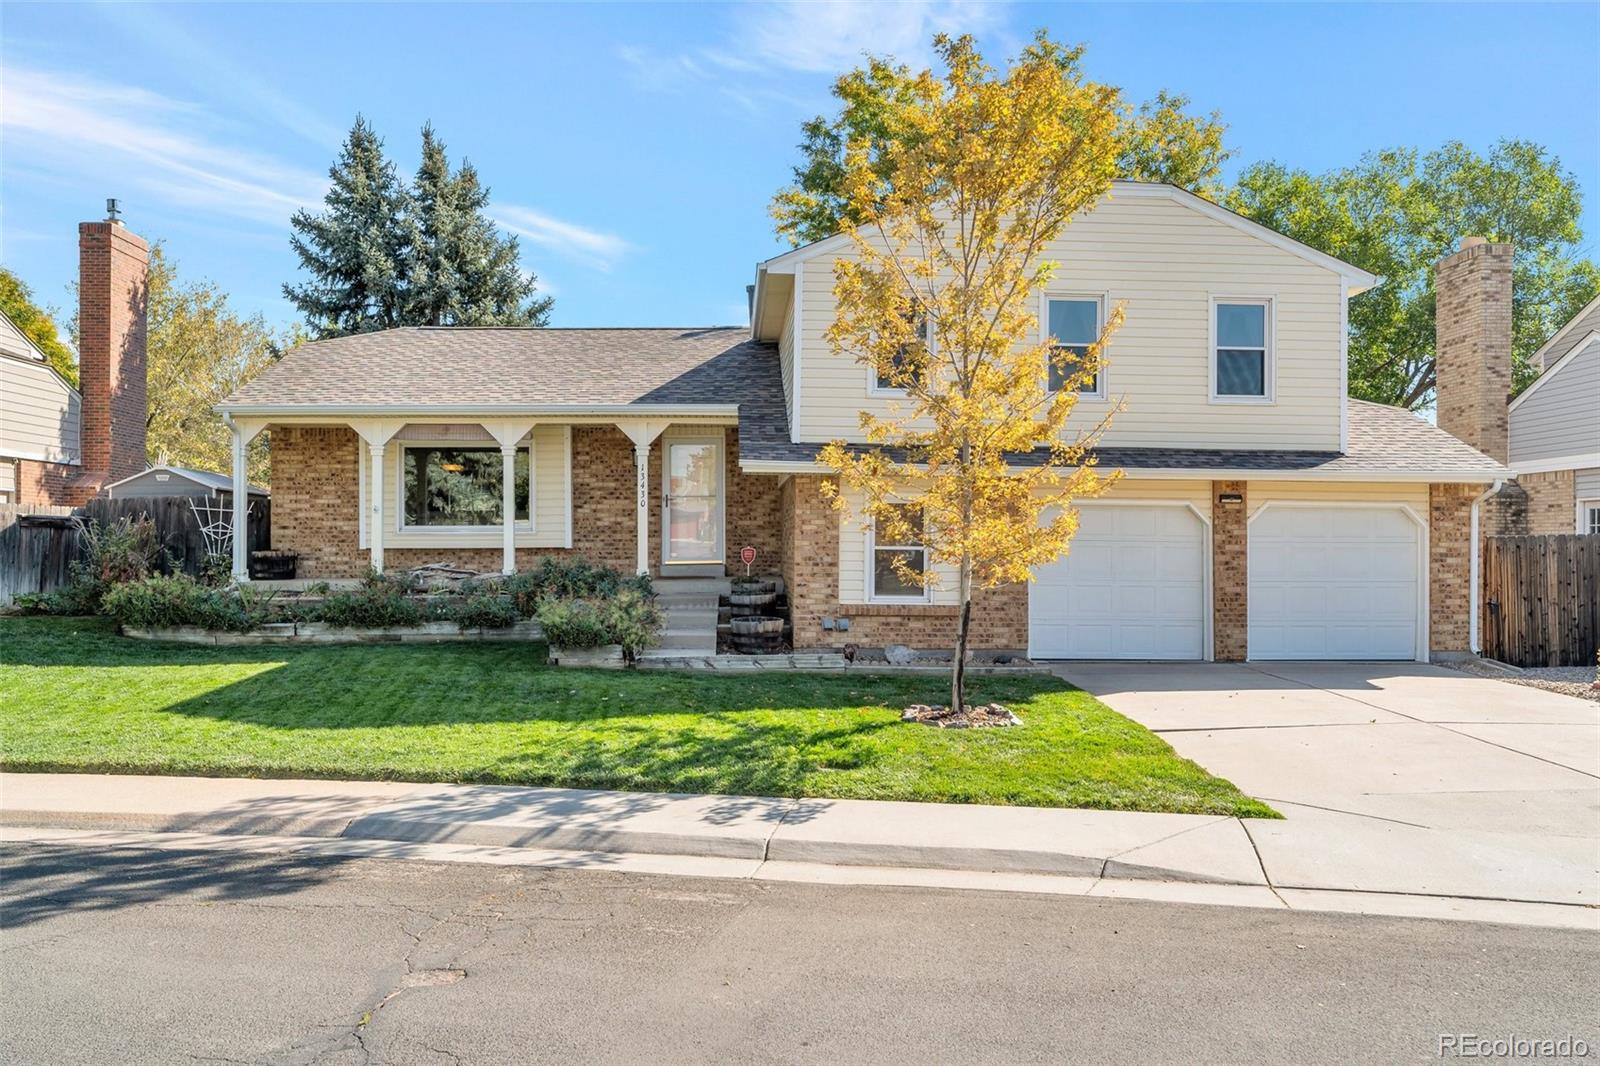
(1455, 477)
(1572, 353)
(1537, 358)
(1581, 461)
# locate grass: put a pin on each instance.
(74, 696)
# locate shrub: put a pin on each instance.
(180, 600)
(379, 602)
(568, 579)
(483, 610)
(573, 623)
(125, 550)
(217, 571)
(634, 620)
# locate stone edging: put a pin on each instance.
(322, 633)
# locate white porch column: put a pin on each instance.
(508, 508)
(244, 431)
(643, 434)
(508, 432)
(375, 498)
(377, 435)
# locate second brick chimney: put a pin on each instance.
(113, 264)
(1472, 344)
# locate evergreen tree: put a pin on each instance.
(359, 250)
(464, 272)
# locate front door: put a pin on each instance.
(691, 515)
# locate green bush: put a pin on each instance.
(125, 550)
(574, 623)
(483, 610)
(377, 602)
(568, 579)
(180, 600)
(216, 571)
(634, 620)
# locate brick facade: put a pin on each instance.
(1450, 567)
(1472, 341)
(1230, 575)
(113, 264)
(315, 507)
(810, 549)
(1534, 505)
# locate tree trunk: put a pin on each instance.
(958, 672)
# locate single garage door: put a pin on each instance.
(1334, 583)
(1132, 587)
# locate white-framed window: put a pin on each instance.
(1589, 516)
(884, 582)
(456, 486)
(1242, 365)
(882, 384)
(1072, 322)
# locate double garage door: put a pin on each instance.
(1331, 582)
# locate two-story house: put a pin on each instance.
(1262, 514)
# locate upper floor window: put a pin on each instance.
(1241, 354)
(1073, 323)
(905, 361)
(887, 547)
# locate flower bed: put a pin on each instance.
(321, 633)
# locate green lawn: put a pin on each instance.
(75, 696)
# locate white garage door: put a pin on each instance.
(1133, 587)
(1334, 583)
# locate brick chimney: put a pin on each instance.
(1472, 344)
(112, 266)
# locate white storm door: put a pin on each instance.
(691, 513)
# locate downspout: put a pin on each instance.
(1473, 644)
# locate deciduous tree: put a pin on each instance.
(1162, 141)
(16, 300)
(950, 221)
(1398, 212)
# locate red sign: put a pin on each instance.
(747, 555)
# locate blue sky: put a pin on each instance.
(635, 148)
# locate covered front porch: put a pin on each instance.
(647, 491)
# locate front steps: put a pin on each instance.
(690, 606)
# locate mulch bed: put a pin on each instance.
(987, 716)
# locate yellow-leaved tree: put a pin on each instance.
(940, 298)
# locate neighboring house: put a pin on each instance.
(39, 411)
(1555, 431)
(167, 480)
(60, 445)
(1262, 514)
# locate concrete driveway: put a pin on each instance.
(1416, 778)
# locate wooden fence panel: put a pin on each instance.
(1541, 599)
(38, 545)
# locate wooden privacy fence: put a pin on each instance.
(1541, 599)
(38, 545)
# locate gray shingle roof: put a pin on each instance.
(720, 365)
(422, 366)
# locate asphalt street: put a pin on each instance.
(138, 956)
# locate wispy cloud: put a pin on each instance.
(830, 36)
(768, 42)
(219, 70)
(77, 124)
(591, 247)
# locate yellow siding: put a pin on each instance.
(786, 360)
(853, 534)
(1163, 262)
(1414, 496)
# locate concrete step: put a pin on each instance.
(697, 642)
(692, 586)
(691, 618)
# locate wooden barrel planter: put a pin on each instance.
(749, 594)
(754, 634)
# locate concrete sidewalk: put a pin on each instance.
(1305, 861)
